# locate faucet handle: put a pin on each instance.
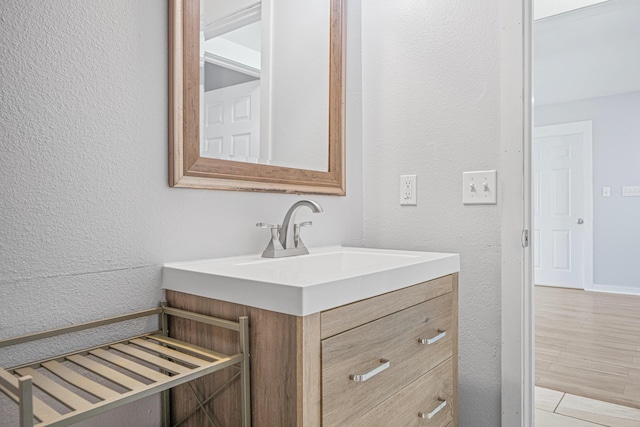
(275, 231)
(274, 243)
(296, 233)
(265, 225)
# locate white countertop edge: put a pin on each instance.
(239, 291)
(305, 300)
(374, 285)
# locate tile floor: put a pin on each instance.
(559, 409)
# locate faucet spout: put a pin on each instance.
(287, 235)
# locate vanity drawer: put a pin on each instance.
(349, 316)
(428, 401)
(366, 350)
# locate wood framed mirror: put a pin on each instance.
(189, 168)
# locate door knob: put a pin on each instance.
(580, 221)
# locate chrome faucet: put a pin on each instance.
(285, 239)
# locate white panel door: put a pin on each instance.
(231, 128)
(562, 204)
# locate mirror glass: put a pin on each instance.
(259, 103)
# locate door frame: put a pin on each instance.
(586, 128)
(517, 325)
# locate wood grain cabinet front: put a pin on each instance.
(390, 360)
(366, 365)
(428, 401)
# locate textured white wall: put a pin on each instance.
(431, 107)
(87, 217)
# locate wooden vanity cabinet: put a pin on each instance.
(303, 368)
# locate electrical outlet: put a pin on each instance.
(408, 190)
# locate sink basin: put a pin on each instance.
(325, 278)
(309, 267)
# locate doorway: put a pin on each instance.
(587, 359)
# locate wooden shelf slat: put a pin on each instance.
(41, 410)
(150, 358)
(200, 351)
(55, 390)
(9, 382)
(129, 365)
(106, 372)
(145, 390)
(80, 381)
(187, 358)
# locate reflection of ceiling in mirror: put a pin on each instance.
(241, 45)
(218, 10)
(546, 8)
(216, 77)
(247, 36)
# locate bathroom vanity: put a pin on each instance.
(339, 337)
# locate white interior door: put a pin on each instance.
(231, 128)
(562, 205)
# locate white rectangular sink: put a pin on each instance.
(325, 278)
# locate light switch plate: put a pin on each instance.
(633, 191)
(480, 188)
(606, 191)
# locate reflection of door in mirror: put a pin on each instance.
(230, 68)
(264, 86)
(231, 126)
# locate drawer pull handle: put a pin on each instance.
(427, 341)
(433, 413)
(361, 378)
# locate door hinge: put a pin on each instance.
(525, 238)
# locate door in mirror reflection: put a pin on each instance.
(230, 68)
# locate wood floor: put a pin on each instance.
(588, 344)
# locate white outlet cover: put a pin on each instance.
(480, 187)
(408, 196)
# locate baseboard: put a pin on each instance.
(627, 290)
